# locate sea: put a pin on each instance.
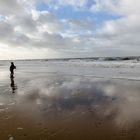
(99, 67)
(74, 98)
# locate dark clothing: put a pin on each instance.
(12, 67)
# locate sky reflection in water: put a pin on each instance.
(119, 98)
(111, 106)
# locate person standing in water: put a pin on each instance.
(12, 67)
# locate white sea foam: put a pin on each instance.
(101, 67)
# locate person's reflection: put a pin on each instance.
(13, 86)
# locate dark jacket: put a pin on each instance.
(12, 67)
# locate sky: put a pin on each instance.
(37, 29)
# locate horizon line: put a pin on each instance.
(26, 59)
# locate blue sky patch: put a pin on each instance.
(68, 12)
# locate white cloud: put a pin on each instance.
(21, 26)
(123, 7)
(105, 5)
(124, 33)
(74, 3)
(26, 29)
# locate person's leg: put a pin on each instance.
(12, 73)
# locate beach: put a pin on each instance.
(70, 100)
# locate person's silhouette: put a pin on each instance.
(12, 67)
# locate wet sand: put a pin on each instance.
(58, 107)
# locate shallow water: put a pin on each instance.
(40, 106)
(66, 107)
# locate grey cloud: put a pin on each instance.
(24, 23)
(54, 41)
(81, 24)
(48, 22)
(12, 7)
(20, 40)
(23, 26)
(9, 36)
(46, 17)
(6, 30)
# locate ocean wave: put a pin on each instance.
(90, 59)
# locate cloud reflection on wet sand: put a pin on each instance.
(72, 108)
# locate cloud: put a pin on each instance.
(39, 29)
(48, 22)
(104, 5)
(8, 6)
(81, 24)
(6, 30)
(123, 33)
(22, 26)
(76, 4)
